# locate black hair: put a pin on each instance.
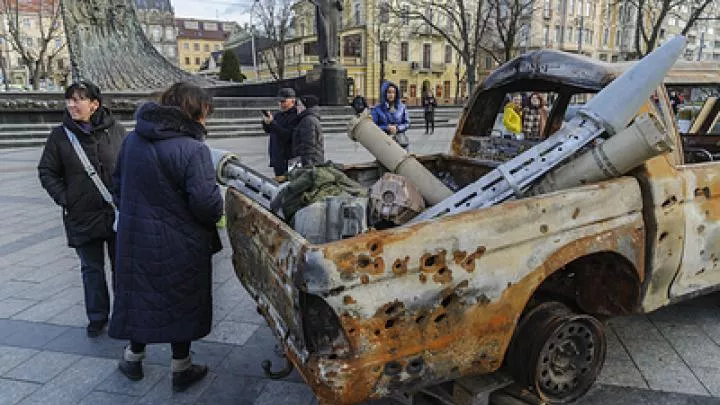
(84, 89)
(192, 100)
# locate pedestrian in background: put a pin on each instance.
(308, 144)
(429, 104)
(391, 115)
(76, 170)
(169, 204)
(534, 117)
(280, 126)
(512, 115)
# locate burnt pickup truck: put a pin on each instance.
(521, 286)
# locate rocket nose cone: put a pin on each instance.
(620, 100)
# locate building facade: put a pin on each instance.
(55, 66)
(375, 45)
(157, 17)
(197, 39)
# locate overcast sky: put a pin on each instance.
(227, 10)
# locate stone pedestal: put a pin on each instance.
(333, 85)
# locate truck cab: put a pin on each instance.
(521, 286)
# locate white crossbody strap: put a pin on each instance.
(89, 168)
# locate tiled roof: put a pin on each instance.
(220, 34)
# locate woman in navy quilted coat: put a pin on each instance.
(169, 203)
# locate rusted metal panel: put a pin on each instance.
(434, 301)
(700, 268)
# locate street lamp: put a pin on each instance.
(252, 40)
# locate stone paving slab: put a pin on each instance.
(671, 356)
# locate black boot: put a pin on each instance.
(188, 375)
(131, 365)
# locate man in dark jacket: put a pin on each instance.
(87, 216)
(308, 144)
(280, 126)
(429, 104)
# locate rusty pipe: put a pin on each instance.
(362, 129)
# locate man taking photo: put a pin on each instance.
(280, 126)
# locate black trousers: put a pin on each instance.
(92, 267)
(180, 350)
(429, 121)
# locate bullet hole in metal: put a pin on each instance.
(543, 211)
(702, 253)
(374, 247)
(347, 276)
(419, 319)
(701, 228)
(663, 236)
(543, 228)
(376, 369)
(351, 331)
(364, 279)
(442, 270)
(363, 261)
(348, 300)
(336, 290)
(333, 356)
(389, 323)
(377, 332)
(430, 261)
(440, 317)
(423, 278)
(447, 300)
(700, 272)
(455, 370)
(670, 201)
(576, 213)
(393, 368)
(393, 308)
(415, 366)
(702, 192)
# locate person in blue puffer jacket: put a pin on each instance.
(391, 115)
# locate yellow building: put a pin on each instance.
(197, 39)
(414, 59)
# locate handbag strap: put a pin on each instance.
(89, 168)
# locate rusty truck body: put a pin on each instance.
(395, 310)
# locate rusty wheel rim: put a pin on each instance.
(570, 358)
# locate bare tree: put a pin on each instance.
(386, 29)
(510, 24)
(275, 17)
(462, 23)
(651, 15)
(34, 54)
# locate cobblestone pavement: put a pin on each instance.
(668, 357)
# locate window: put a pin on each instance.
(571, 35)
(383, 50)
(169, 34)
(27, 23)
(170, 51)
(156, 34)
(206, 48)
(60, 64)
(558, 8)
(448, 54)
(58, 43)
(384, 16)
(557, 34)
(426, 57)
(191, 25)
(358, 15)
(310, 48)
(547, 8)
(29, 42)
(571, 6)
(20, 62)
(488, 62)
(603, 57)
(187, 60)
(197, 61)
(404, 51)
(196, 46)
(403, 87)
(405, 15)
(352, 45)
(606, 35)
(446, 88)
(546, 35)
(216, 47)
(210, 26)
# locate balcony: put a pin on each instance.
(352, 60)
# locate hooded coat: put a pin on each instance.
(382, 114)
(86, 215)
(169, 203)
(307, 141)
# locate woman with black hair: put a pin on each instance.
(169, 203)
(87, 216)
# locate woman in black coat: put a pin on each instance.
(168, 205)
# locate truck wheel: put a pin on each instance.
(557, 352)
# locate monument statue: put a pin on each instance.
(327, 17)
(108, 47)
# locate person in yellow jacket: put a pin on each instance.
(512, 115)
